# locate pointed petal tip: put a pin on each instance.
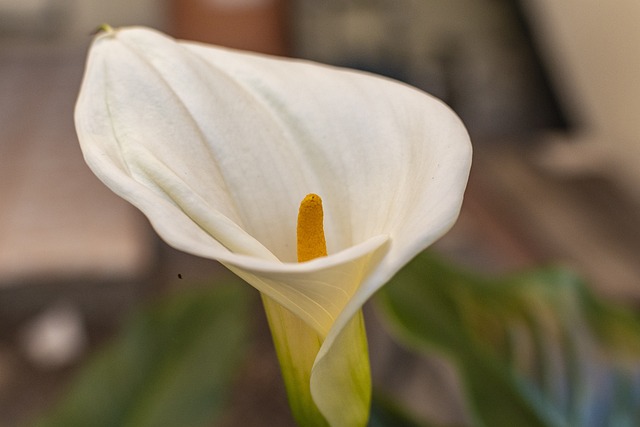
(103, 29)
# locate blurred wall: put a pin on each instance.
(592, 49)
(72, 21)
(87, 13)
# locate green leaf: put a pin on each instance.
(173, 365)
(535, 349)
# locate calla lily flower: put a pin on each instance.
(218, 147)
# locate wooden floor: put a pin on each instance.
(64, 236)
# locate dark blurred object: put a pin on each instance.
(256, 25)
(476, 55)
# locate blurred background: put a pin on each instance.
(549, 90)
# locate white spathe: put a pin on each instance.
(218, 147)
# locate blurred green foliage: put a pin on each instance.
(173, 365)
(533, 349)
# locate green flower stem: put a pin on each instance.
(296, 345)
(333, 389)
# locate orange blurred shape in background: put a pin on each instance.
(255, 25)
